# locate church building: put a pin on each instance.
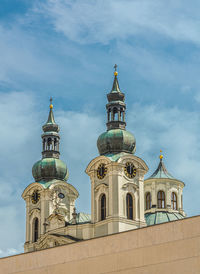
(121, 199)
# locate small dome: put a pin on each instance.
(161, 172)
(116, 141)
(50, 168)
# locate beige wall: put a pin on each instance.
(167, 248)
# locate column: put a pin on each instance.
(123, 113)
(112, 115)
(141, 199)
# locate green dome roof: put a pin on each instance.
(50, 168)
(115, 141)
(160, 217)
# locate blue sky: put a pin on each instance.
(67, 49)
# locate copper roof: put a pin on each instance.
(161, 172)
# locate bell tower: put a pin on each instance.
(117, 175)
(50, 200)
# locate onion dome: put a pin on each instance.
(50, 167)
(116, 139)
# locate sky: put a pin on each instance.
(67, 49)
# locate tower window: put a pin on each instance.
(115, 114)
(35, 229)
(129, 206)
(174, 201)
(148, 201)
(161, 199)
(103, 207)
(49, 144)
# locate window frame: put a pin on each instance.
(148, 201)
(103, 207)
(161, 199)
(35, 229)
(174, 202)
(129, 206)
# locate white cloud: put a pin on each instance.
(28, 59)
(101, 21)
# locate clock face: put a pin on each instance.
(130, 170)
(35, 197)
(101, 171)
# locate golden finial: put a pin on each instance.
(115, 72)
(161, 156)
(51, 106)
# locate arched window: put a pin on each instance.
(35, 229)
(148, 201)
(103, 207)
(129, 206)
(161, 199)
(174, 201)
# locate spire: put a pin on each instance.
(51, 116)
(116, 106)
(50, 136)
(115, 87)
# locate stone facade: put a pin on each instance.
(115, 185)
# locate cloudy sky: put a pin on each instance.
(66, 49)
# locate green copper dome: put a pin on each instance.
(162, 217)
(50, 168)
(116, 141)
